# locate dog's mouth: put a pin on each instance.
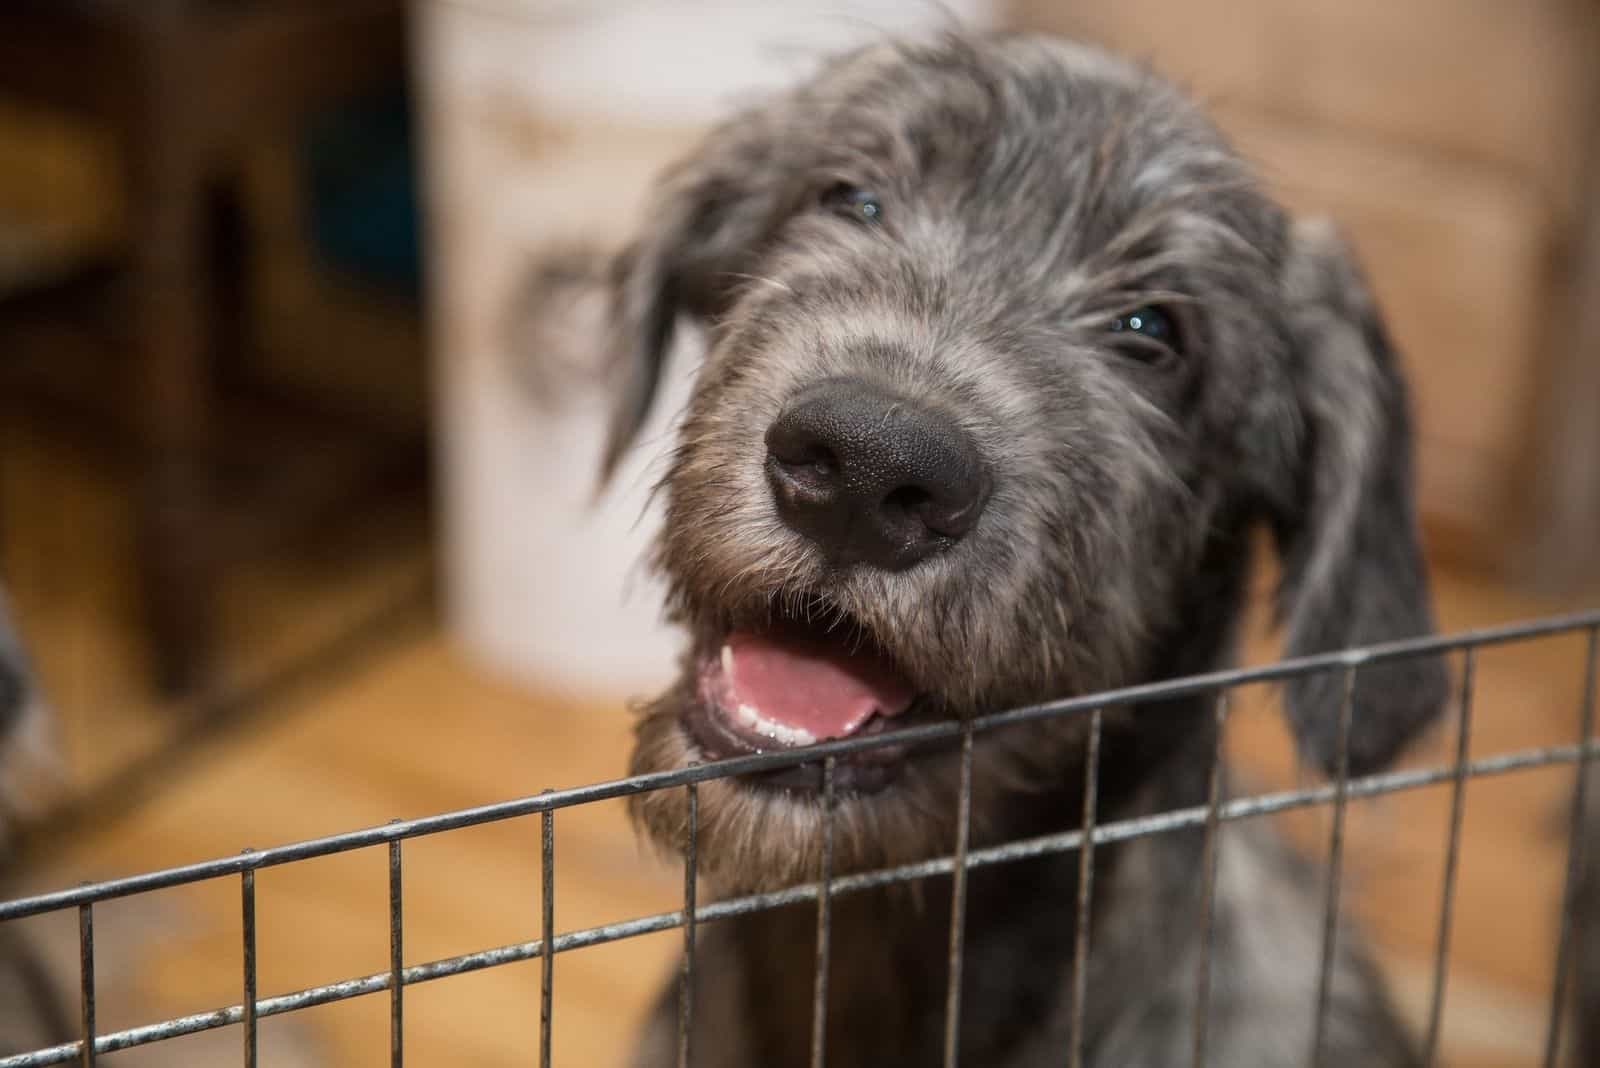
(795, 683)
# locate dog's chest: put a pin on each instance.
(888, 975)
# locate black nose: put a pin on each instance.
(872, 477)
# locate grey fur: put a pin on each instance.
(1032, 190)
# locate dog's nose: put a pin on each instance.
(871, 477)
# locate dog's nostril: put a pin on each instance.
(953, 516)
(908, 501)
(804, 473)
(813, 459)
(796, 442)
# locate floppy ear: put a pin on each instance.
(708, 217)
(1352, 564)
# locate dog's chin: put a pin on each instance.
(811, 676)
(788, 685)
(754, 836)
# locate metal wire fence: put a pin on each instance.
(1335, 795)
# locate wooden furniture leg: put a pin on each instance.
(1566, 508)
(166, 303)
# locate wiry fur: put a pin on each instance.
(1032, 191)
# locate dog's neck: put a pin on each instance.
(890, 948)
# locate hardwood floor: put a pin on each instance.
(414, 728)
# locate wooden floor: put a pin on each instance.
(413, 727)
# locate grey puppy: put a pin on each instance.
(1009, 357)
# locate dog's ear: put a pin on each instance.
(707, 218)
(1353, 571)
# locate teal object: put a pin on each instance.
(361, 188)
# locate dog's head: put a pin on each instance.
(1008, 352)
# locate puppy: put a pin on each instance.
(1009, 356)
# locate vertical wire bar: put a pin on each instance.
(691, 864)
(1330, 916)
(958, 906)
(86, 980)
(819, 986)
(397, 1029)
(1080, 948)
(1575, 854)
(247, 901)
(1208, 889)
(1452, 856)
(547, 947)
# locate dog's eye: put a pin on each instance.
(1148, 333)
(862, 205)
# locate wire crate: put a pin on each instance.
(1332, 796)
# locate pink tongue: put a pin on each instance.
(811, 684)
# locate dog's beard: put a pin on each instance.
(753, 837)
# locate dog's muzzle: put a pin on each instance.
(797, 682)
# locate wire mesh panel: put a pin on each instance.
(1334, 796)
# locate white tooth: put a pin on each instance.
(779, 732)
(727, 660)
(751, 717)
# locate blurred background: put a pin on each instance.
(297, 502)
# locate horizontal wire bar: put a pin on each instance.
(774, 760)
(1045, 845)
